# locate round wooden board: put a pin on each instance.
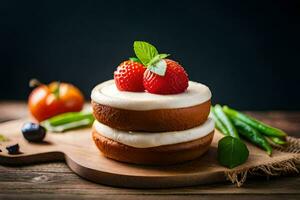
(81, 155)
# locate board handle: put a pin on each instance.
(19, 160)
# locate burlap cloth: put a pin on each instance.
(284, 160)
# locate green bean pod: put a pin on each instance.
(252, 135)
(219, 125)
(226, 121)
(277, 140)
(260, 126)
(69, 117)
(67, 121)
(69, 126)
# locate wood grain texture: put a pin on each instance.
(56, 181)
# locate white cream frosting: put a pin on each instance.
(147, 140)
(107, 93)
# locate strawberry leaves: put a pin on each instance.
(150, 57)
(159, 67)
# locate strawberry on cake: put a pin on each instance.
(151, 113)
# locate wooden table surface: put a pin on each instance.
(56, 181)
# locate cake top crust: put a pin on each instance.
(106, 93)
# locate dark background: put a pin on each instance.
(247, 52)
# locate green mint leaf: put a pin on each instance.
(163, 55)
(134, 59)
(232, 152)
(157, 58)
(159, 67)
(144, 51)
(154, 60)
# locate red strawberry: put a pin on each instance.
(129, 76)
(174, 81)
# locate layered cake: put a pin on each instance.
(151, 113)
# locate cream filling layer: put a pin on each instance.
(147, 140)
(107, 93)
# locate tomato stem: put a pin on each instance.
(34, 82)
(56, 91)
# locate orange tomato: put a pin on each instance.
(46, 101)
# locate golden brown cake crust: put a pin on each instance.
(162, 120)
(161, 155)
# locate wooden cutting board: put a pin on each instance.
(81, 155)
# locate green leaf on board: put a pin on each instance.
(232, 152)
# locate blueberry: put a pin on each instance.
(13, 149)
(33, 132)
